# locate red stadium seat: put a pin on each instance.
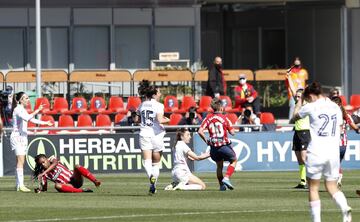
(205, 104)
(45, 102)
(186, 104)
(232, 117)
(61, 106)
(48, 118)
(133, 103)
(175, 119)
(343, 100)
(31, 124)
(84, 120)
(78, 105)
(97, 105)
(267, 118)
(355, 101)
(65, 121)
(171, 104)
(102, 120)
(116, 105)
(119, 117)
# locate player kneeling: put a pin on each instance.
(183, 179)
(65, 180)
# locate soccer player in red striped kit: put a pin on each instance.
(65, 180)
(218, 126)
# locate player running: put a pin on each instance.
(152, 131)
(65, 180)
(218, 126)
(183, 179)
(347, 120)
(323, 150)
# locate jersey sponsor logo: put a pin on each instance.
(40, 145)
(242, 151)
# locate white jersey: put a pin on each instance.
(325, 120)
(150, 126)
(20, 119)
(180, 155)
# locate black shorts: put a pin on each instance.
(76, 182)
(223, 153)
(301, 140)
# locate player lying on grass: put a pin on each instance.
(183, 179)
(65, 180)
(219, 126)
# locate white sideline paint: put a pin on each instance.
(169, 214)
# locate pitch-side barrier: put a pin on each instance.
(116, 150)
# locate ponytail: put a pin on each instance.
(38, 167)
(16, 100)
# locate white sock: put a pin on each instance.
(156, 170)
(341, 201)
(19, 177)
(148, 167)
(191, 187)
(315, 208)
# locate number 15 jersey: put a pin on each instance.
(149, 125)
(325, 120)
(218, 125)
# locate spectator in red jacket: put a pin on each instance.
(246, 94)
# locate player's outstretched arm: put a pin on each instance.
(193, 156)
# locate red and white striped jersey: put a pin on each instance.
(343, 135)
(60, 174)
(218, 126)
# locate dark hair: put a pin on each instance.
(179, 133)
(216, 104)
(38, 167)
(146, 90)
(338, 102)
(16, 100)
(313, 88)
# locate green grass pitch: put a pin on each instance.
(258, 196)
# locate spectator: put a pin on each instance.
(191, 117)
(248, 118)
(297, 74)
(216, 84)
(132, 118)
(245, 94)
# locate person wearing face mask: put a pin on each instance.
(216, 84)
(245, 94)
(297, 74)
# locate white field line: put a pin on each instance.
(165, 215)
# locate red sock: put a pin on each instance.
(230, 170)
(86, 173)
(69, 189)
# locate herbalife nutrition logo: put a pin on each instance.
(40, 145)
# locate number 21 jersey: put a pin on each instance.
(325, 120)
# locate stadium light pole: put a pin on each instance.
(38, 49)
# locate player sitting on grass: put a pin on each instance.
(183, 179)
(218, 126)
(65, 180)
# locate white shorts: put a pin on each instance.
(155, 143)
(19, 144)
(181, 175)
(316, 167)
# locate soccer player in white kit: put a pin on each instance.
(152, 131)
(183, 179)
(323, 150)
(18, 138)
